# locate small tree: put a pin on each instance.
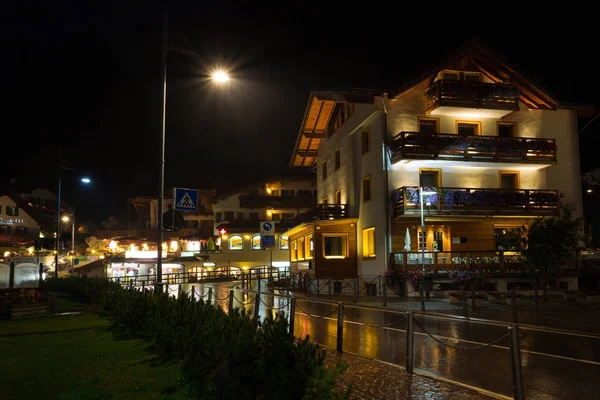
(552, 241)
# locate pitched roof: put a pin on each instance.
(22, 204)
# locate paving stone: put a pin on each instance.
(373, 380)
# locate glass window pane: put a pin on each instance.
(334, 246)
(256, 245)
(236, 242)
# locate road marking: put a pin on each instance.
(468, 341)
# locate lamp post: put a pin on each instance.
(62, 167)
(66, 218)
(218, 76)
(423, 242)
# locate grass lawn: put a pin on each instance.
(78, 357)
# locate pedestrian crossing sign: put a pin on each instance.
(186, 199)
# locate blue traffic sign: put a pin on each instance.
(267, 241)
(186, 199)
(267, 228)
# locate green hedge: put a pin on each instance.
(224, 356)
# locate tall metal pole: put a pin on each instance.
(57, 246)
(73, 234)
(161, 176)
(423, 243)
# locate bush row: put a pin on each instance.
(225, 356)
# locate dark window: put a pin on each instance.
(253, 215)
(337, 159)
(366, 140)
(218, 217)
(366, 188)
(324, 171)
(206, 223)
(276, 217)
(430, 179)
(508, 239)
(450, 76)
(506, 130)
(240, 215)
(334, 246)
(228, 215)
(288, 216)
(472, 77)
(275, 192)
(287, 192)
(5, 229)
(428, 125)
(509, 181)
(12, 211)
(467, 128)
(305, 192)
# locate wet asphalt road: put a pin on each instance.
(555, 365)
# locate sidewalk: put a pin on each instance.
(373, 380)
(556, 313)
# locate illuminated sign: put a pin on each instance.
(144, 254)
(11, 221)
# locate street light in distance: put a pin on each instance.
(86, 180)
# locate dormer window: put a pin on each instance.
(472, 77)
(450, 76)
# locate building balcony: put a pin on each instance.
(447, 261)
(477, 148)
(471, 99)
(475, 201)
(325, 212)
(277, 202)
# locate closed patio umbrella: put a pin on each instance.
(407, 240)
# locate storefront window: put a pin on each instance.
(236, 242)
(256, 242)
(508, 239)
(284, 243)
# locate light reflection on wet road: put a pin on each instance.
(546, 376)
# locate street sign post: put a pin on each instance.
(185, 199)
(267, 240)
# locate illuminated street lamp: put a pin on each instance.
(218, 76)
(63, 166)
(423, 241)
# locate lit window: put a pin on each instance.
(334, 246)
(301, 249)
(294, 251)
(256, 242)
(284, 243)
(236, 242)
(368, 243)
(308, 247)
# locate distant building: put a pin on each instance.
(19, 223)
(44, 201)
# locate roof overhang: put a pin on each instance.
(313, 224)
(319, 112)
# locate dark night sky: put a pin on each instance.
(87, 78)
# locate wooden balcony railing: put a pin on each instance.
(449, 200)
(262, 201)
(496, 96)
(451, 146)
(325, 212)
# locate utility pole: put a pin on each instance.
(161, 175)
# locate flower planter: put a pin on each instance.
(29, 310)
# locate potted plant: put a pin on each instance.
(396, 280)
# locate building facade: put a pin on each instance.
(487, 150)
(19, 224)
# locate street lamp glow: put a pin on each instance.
(65, 218)
(86, 180)
(220, 76)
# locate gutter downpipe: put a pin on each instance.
(388, 225)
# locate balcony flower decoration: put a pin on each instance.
(411, 195)
(415, 278)
(394, 277)
(464, 280)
